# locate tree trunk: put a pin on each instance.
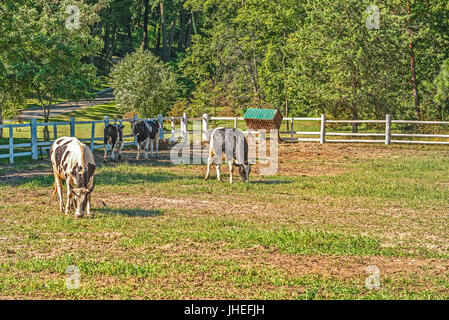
(170, 40)
(413, 67)
(193, 23)
(189, 33)
(284, 73)
(164, 34)
(106, 39)
(130, 37)
(439, 115)
(355, 125)
(144, 44)
(1, 122)
(182, 32)
(114, 41)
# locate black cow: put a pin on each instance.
(146, 132)
(74, 162)
(113, 136)
(231, 144)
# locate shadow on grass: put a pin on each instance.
(136, 212)
(271, 181)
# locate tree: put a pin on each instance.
(143, 84)
(49, 57)
(341, 67)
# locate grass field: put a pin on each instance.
(309, 232)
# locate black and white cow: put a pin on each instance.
(146, 132)
(73, 162)
(113, 136)
(229, 143)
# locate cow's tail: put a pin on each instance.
(54, 193)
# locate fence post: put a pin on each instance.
(92, 137)
(184, 131)
(11, 144)
(235, 123)
(291, 128)
(72, 126)
(135, 119)
(161, 122)
(323, 129)
(33, 125)
(172, 138)
(55, 132)
(388, 129)
(205, 127)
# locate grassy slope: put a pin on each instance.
(164, 233)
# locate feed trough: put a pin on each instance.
(268, 119)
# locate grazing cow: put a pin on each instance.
(74, 162)
(231, 144)
(146, 131)
(113, 135)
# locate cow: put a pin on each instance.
(146, 131)
(113, 136)
(231, 144)
(73, 162)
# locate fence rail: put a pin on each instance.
(183, 133)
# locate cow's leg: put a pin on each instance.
(157, 145)
(58, 186)
(113, 152)
(88, 208)
(218, 172)
(138, 151)
(105, 152)
(151, 146)
(147, 142)
(209, 162)
(69, 197)
(231, 171)
(120, 151)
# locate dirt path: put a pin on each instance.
(103, 97)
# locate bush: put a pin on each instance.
(143, 84)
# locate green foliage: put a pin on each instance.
(143, 84)
(47, 58)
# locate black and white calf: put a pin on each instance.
(113, 136)
(74, 162)
(229, 143)
(146, 132)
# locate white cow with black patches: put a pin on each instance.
(146, 133)
(73, 162)
(113, 136)
(229, 143)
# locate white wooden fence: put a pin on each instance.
(386, 136)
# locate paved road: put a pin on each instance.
(64, 107)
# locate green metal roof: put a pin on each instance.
(260, 114)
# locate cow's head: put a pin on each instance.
(81, 198)
(244, 170)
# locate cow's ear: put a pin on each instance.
(122, 127)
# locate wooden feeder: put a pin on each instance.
(267, 119)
